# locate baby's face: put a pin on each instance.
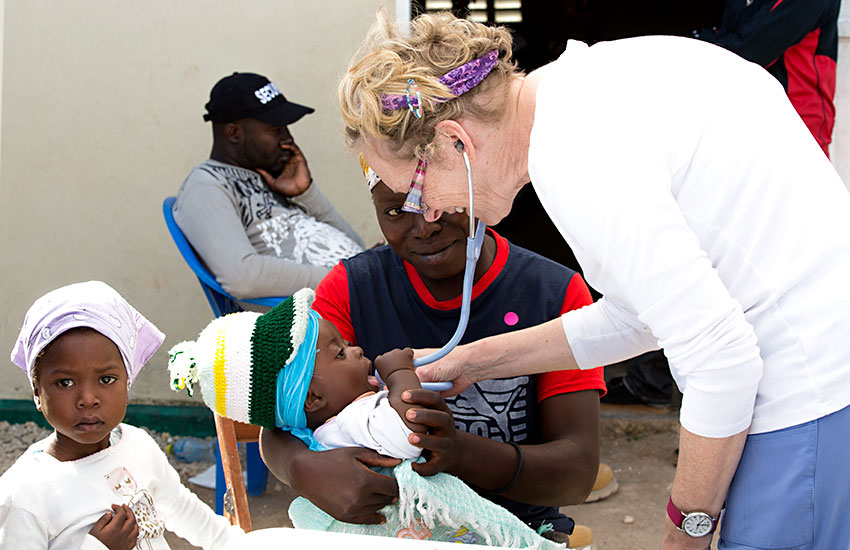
(82, 391)
(340, 369)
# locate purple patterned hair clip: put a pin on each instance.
(459, 81)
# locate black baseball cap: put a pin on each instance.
(249, 95)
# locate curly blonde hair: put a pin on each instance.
(437, 43)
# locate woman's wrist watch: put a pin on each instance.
(694, 524)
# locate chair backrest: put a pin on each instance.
(220, 300)
(230, 433)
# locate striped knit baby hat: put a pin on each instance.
(236, 359)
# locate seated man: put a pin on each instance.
(252, 211)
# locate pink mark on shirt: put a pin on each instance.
(511, 318)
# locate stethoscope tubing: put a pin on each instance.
(474, 242)
(473, 251)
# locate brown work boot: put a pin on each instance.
(605, 484)
(581, 538)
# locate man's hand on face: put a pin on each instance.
(295, 177)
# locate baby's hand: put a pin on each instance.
(397, 370)
(393, 361)
(117, 529)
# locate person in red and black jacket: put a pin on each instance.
(797, 42)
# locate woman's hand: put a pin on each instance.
(441, 442)
(342, 483)
(451, 368)
(532, 350)
(117, 530)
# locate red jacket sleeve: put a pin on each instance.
(333, 302)
(565, 381)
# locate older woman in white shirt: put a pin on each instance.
(695, 200)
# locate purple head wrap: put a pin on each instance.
(95, 305)
(459, 81)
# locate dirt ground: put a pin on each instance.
(640, 445)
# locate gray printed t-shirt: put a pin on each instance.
(257, 242)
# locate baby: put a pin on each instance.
(95, 482)
(290, 369)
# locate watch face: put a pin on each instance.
(697, 524)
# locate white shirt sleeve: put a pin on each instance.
(607, 333)
(91, 543)
(21, 529)
(608, 188)
(185, 514)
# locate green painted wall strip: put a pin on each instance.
(177, 420)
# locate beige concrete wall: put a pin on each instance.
(101, 119)
(840, 149)
(2, 15)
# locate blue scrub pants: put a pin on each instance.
(792, 489)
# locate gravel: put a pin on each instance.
(16, 438)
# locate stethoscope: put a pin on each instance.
(473, 251)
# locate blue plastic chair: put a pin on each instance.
(221, 303)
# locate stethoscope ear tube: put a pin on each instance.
(473, 251)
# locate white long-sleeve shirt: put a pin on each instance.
(49, 504)
(698, 203)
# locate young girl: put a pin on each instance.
(290, 369)
(94, 483)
